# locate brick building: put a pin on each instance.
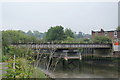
(114, 34)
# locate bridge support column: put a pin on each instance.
(80, 65)
(65, 64)
(93, 51)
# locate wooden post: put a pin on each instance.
(14, 62)
(62, 63)
(80, 56)
(46, 61)
(66, 56)
(93, 52)
(80, 65)
(14, 65)
(65, 64)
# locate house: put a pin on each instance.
(114, 34)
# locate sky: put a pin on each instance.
(78, 16)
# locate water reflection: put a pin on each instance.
(84, 69)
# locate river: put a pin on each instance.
(84, 69)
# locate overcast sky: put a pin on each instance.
(79, 16)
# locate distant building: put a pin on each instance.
(87, 36)
(114, 34)
(80, 35)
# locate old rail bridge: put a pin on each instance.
(67, 53)
(65, 50)
(62, 45)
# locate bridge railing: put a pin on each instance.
(65, 45)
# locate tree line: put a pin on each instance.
(54, 34)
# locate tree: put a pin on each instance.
(86, 40)
(102, 39)
(38, 34)
(69, 33)
(30, 33)
(13, 36)
(68, 40)
(55, 33)
(118, 28)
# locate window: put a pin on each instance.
(96, 33)
(106, 33)
(115, 34)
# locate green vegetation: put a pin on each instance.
(102, 39)
(23, 69)
(55, 33)
(20, 63)
(12, 36)
(23, 57)
(36, 34)
(69, 33)
(79, 40)
(58, 34)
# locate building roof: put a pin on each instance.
(106, 31)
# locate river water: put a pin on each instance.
(84, 69)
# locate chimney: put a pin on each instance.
(102, 30)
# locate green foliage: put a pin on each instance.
(23, 69)
(55, 33)
(36, 34)
(13, 36)
(69, 33)
(87, 40)
(23, 56)
(68, 40)
(30, 33)
(4, 58)
(79, 40)
(102, 39)
(19, 52)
